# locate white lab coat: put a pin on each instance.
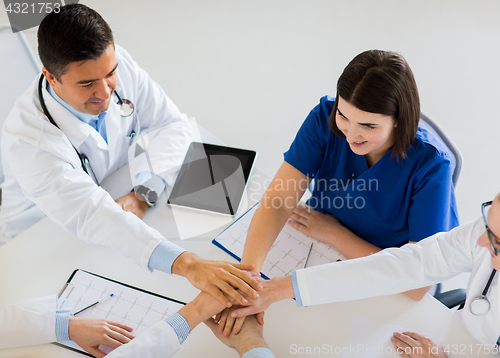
(28, 323)
(43, 174)
(157, 341)
(393, 270)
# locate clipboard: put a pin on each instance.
(129, 305)
(291, 251)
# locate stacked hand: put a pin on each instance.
(203, 307)
(223, 280)
(251, 335)
(276, 289)
(226, 322)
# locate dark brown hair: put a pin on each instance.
(382, 82)
(75, 33)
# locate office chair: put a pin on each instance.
(435, 129)
(18, 69)
(456, 297)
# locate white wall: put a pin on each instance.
(250, 71)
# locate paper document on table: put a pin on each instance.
(129, 305)
(372, 339)
(288, 253)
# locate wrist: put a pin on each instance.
(141, 204)
(73, 321)
(334, 233)
(340, 231)
(192, 313)
(252, 260)
(184, 263)
(257, 342)
(145, 194)
(283, 288)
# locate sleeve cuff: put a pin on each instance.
(151, 181)
(179, 325)
(259, 352)
(296, 291)
(163, 256)
(62, 324)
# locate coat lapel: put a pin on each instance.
(114, 130)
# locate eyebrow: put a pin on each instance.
(342, 114)
(363, 124)
(83, 82)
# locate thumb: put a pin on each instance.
(97, 353)
(245, 311)
(260, 318)
(248, 267)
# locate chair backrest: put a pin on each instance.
(436, 129)
(18, 68)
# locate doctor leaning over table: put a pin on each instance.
(74, 126)
(472, 247)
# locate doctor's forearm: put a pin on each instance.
(280, 199)
(264, 228)
(182, 265)
(352, 246)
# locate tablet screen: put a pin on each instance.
(213, 178)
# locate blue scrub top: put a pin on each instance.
(388, 204)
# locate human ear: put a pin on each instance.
(50, 77)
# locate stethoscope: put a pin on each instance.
(480, 305)
(126, 110)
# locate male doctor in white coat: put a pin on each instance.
(85, 77)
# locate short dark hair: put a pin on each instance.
(382, 82)
(75, 33)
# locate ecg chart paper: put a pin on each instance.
(129, 305)
(288, 253)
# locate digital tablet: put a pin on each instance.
(213, 178)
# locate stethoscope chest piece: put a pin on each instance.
(479, 306)
(126, 108)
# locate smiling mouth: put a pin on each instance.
(358, 144)
(98, 103)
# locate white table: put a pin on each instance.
(39, 261)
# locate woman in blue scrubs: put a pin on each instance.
(380, 180)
